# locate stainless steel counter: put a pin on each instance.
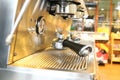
(64, 59)
(16, 73)
(51, 64)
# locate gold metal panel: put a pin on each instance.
(51, 58)
(27, 42)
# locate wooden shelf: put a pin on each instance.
(116, 59)
(115, 47)
(117, 37)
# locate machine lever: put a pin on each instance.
(80, 49)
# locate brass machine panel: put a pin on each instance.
(26, 41)
(50, 58)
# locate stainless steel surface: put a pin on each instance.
(65, 60)
(19, 73)
(26, 41)
(40, 5)
(85, 9)
(17, 21)
(51, 64)
(7, 16)
(28, 57)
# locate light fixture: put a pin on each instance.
(90, 8)
(118, 6)
(102, 9)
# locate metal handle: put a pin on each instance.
(80, 49)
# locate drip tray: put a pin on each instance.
(54, 59)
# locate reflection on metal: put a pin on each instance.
(26, 41)
(36, 6)
(17, 21)
(65, 64)
(62, 60)
(85, 9)
(55, 59)
(40, 5)
(67, 8)
(7, 16)
(44, 74)
(80, 49)
(33, 53)
(40, 25)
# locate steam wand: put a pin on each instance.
(22, 11)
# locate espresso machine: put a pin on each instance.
(34, 44)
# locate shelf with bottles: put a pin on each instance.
(115, 41)
(83, 24)
(115, 32)
(116, 56)
(115, 47)
(116, 36)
